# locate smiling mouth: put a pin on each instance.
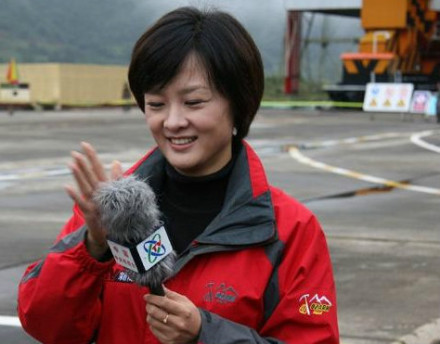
(182, 140)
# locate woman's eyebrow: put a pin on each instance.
(193, 88)
(183, 91)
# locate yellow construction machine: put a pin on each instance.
(401, 44)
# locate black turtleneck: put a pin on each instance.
(189, 204)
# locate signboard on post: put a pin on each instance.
(420, 102)
(14, 92)
(388, 97)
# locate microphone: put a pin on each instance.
(131, 218)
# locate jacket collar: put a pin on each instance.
(247, 216)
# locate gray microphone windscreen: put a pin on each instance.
(129, 214)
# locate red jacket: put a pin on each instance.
(259, 273)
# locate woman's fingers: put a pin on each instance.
(162, 324)
(82, 180)
(172, 302)
(116, 170)
(158, 316)
(88, 170)
(82, 204)
(173, 318)
(95, 162)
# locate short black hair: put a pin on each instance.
(227, 51)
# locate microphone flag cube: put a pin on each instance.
(144, 255)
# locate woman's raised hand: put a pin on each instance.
(88, 172)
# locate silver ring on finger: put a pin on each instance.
(165, 320)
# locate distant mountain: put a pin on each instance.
(70, 31)
(84, 31)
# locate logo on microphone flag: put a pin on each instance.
(145, 255)
(155, 248)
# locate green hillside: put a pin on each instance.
(83, 31)
(104, 31)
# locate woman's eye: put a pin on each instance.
(155, 105)
(194, 102)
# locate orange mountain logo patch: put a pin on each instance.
(315, 305)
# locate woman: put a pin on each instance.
(253, 264)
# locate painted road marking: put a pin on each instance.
(351, 140)
(41, 173)
(34, 174)
(9, 321)
(305, 103)
(298, 156)
(417, 140)
(424, 334)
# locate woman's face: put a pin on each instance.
(191, 122)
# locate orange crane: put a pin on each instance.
(401, 44)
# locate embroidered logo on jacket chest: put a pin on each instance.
(220, 293)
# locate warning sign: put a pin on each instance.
(420, 101)
(388, 97)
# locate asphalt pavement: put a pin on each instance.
(373, 183)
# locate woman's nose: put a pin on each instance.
(176, 118)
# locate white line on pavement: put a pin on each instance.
(41, 173)
(424, 334)
(351, 140)
(9, 321)
(34, 174)
(298, 156)
(417, 140)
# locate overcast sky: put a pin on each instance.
(266, 21)
(242, 9)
